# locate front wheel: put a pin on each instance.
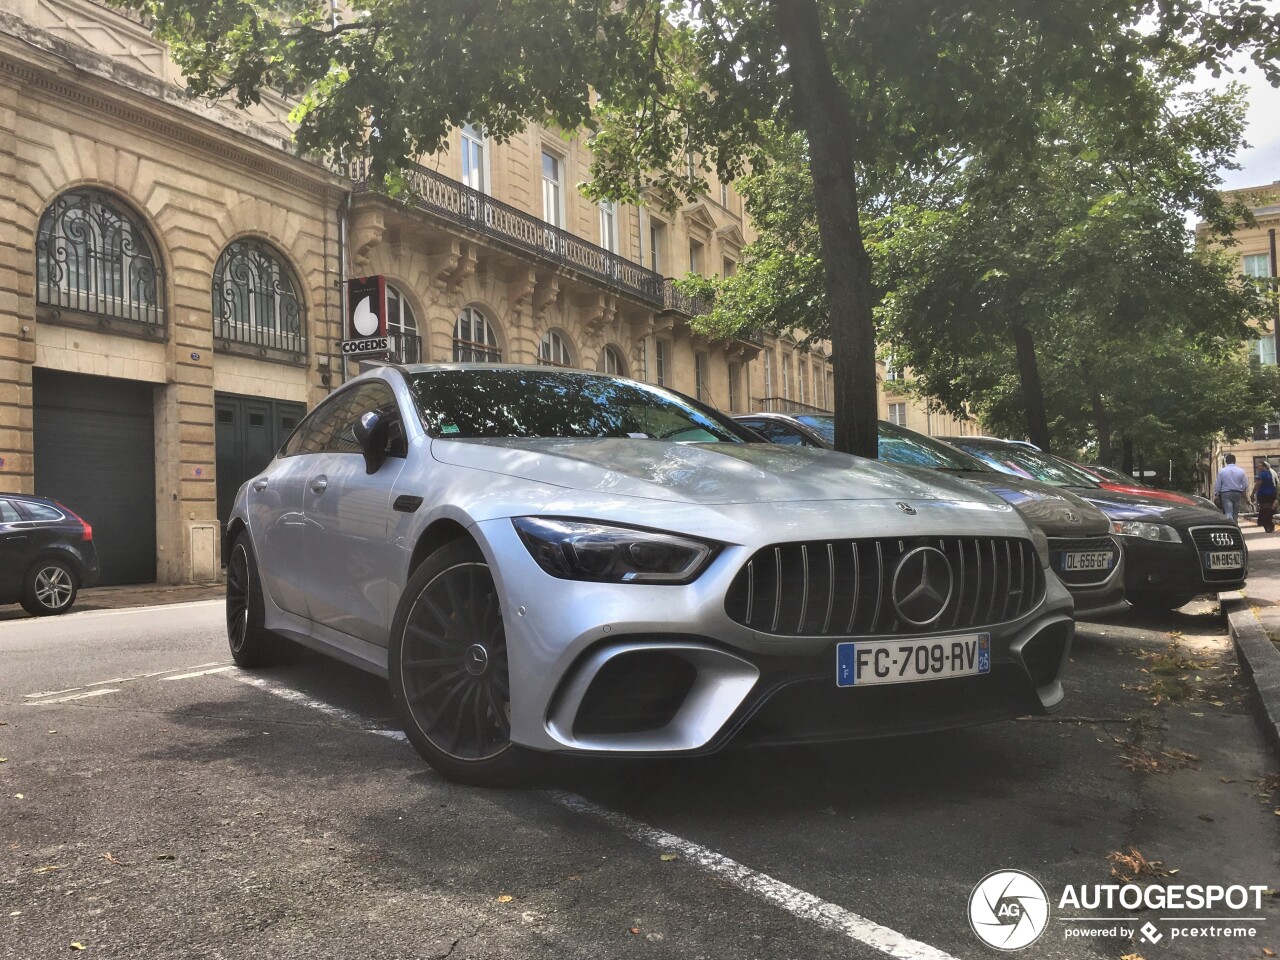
(49, 587)
(450, 682)
(252, 644)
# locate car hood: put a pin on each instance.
(1058, 512)
(1128, 506)
(706, 473)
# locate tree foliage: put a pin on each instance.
(878, 88)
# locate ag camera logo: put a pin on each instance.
(1008, 910)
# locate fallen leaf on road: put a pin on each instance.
(1206, 818)
(1268, 953)
(1129, 866)
(77, 946)
(17, 796)
(669, 856)
(505, 898)
(634, 930)
(166, 856)
(1131, 956)
(111, 858)
(1225, 780)
(4, 759)
(574, 876)
(49, 869)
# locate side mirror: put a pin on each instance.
(371, 432)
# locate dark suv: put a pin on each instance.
(46, 554)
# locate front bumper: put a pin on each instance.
(660, 670)
(1155, 568)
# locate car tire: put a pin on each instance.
(49, 588)
(447, 666)
(252, 644)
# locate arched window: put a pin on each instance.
(255, 298)
(553, 351)
(611, 361)
(94, 257)
(474, 340)
(402, 328)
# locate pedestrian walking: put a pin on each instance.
(1230, 487)
(1264, 492)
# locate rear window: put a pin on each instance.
(39, 511)
(482, 403)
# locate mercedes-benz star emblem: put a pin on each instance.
(476, 659)
(1071, 517)
(907, 508)
(922, 586)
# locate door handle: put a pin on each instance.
(320, 483)
(260, 484)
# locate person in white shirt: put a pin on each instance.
(1230, 487)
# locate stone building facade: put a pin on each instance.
(171, 273)
(1257, 251)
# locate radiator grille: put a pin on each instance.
(1216, 539)
(847, 587)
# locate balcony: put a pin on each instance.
(784, 405)
(449, 200)
(677, 301)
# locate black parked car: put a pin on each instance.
(1173, 552)
(1083, 554)
(46, 554)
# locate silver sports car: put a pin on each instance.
(543, 559)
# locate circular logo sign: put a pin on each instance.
(922, 586)
(364, 319)
(1008, 910)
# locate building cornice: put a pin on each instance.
(85, 79)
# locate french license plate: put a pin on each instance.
(864, 662)
(1093, 560)
(1223, 559)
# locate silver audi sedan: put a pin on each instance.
(541, 559)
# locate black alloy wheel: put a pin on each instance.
(450, 680)
(252, 644)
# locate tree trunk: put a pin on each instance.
(1126, 455)
(1102, 423)
(1032, 388)
(825, 112)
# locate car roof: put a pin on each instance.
(29, 498)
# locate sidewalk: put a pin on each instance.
(147, 595)
(1253, 618)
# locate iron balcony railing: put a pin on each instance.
(673, 298)
(785, 405)
(450, 200)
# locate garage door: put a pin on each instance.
(95, 452)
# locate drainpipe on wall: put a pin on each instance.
(1275, 290)
(336, 361)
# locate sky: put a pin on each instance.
(1260, 163)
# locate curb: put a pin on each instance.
(1259, 658)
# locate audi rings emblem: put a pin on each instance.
(922, 586)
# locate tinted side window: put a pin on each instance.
(38, 511)
(776, 432)
(312, 436)
(376, 396)
(8, 514)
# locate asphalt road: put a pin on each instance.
(157, 802)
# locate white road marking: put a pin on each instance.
(141, 676)
(795, 901)
(198, 673)
(78, 696)
(792, 899)
(328, 709)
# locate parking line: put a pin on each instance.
(795, 901)
(78, 696)
(199, 673)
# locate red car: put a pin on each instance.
(1115, 480)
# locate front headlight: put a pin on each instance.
(584, 550)
(1039, 538)
(1148, 531)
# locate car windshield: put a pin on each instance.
(1115, 476)
(1026, 462)
(466, 403)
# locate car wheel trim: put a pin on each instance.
(53, 587)
(453, 664)
(238, 597)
